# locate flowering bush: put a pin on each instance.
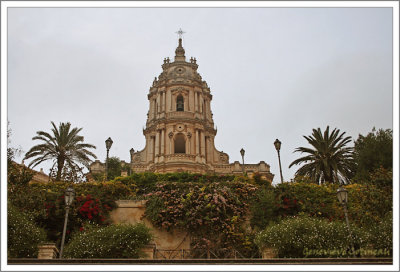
(213, 212)
(115, 241)
(381, 237)
(23, 235)
(311, 237)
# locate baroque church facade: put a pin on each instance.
(180, 129)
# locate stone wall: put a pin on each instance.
(131, 211)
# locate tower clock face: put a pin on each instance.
(180, 127)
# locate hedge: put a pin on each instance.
(299, 237)
(23, 235)
(115, 241)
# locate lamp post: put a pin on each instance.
(68, 197)
(109, 143)
(242, 153)
(342, 197)
(277, 145)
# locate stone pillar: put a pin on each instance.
(165, 101)
(195, 102)
(47, 251)
(203, 143)
(190, 99)
(157, 149)
(197, 142)
(170, 135)
(211, 149)
(150, 150)
(151, 111)
(158, 103)
(148, 251)
(208, 150)
(169, 97)
(189, 135)
(162, 142)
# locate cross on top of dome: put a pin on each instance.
(180, 33)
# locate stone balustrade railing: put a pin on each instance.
(180, 157)
(180, 114)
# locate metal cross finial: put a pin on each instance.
(180, 33)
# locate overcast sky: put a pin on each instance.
(273, 73)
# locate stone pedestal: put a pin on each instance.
(47, 251)
(149, 251)
(268, 253)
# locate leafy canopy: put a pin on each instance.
(329, 160)
(373, 151)
(65, 147)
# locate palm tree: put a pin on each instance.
(65, 147)
(329, 160)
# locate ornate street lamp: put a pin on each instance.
(242, 153)
(277, 145)
(342, 197)
(109, 143)
(68, 197)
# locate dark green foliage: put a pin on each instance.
(65, 148)
(23, 235)
(299, 237)
(372, 152)
(329, 160)
(263, 208)
(381, 237)
(146, 182)
(115, 241)
(45, 203)
(114, 168)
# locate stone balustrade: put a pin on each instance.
(179, 157)
(180, 114)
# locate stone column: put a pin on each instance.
(197, 142)
(172, 103)
(151, 111)
(162, 141)
(157, 151)
(195, 102)
(162, 101)
(208, 149)
(203, 143)
(148, 148)
(158, 103)
(169, 96)
(170, 135)
(165, 101)
(189, 135)
(190, 98)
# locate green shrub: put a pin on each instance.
(311, 237)
(23, 235)
(115, 241)
(367, 204)
(213, 213)
(381, 236)
(263, 209)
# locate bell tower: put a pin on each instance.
(180, 128)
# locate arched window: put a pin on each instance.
(179, 103)
(180, 144)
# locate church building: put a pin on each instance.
(180, 129)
